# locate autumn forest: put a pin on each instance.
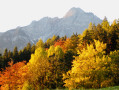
(87, 60)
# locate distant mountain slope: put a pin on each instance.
(13, 38)
(75, 20)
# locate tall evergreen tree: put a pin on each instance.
(101, 34)
(5, 57)
(10, 54)
(15, 55)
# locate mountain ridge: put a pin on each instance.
(75, 20)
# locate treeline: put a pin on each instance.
(16, 56)
(87, 60)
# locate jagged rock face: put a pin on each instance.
(75, 20)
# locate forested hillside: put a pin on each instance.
(87, 60)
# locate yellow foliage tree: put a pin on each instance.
(89, 68)
(105, 24)
(39, 44)
(59, 52)
(51, 51)
(39, 68)
(55, 56)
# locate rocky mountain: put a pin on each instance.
(75, 20)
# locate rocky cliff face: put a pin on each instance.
(75, 20)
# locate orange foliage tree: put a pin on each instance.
(13, 76)
(60, 43)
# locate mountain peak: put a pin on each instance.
(74, 11)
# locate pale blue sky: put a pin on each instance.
(15, 13)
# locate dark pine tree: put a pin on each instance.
(15, 55)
